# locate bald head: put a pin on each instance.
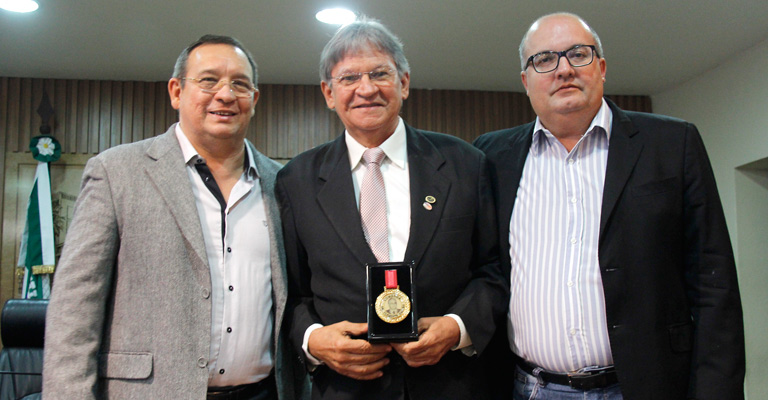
(523, 49)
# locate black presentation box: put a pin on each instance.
(380, 331)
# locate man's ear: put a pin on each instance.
(328, 94)
(405, 82)
(174, 91)
(255, 100)
(524, 78)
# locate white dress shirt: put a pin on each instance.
(557, 307)
(241, 277)
(394, 170)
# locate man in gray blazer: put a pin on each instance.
(171, 283)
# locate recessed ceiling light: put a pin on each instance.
(336, 16)
(21, 6)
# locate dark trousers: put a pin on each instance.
(265, 389)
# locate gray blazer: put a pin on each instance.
(130, 310)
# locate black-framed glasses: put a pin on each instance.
(548, 61)
(239, 87)
(378, 76)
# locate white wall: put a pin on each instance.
(729, 105)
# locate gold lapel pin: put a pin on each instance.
(430, 199)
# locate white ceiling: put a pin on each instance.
(650, 45)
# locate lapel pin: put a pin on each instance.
(427, 206)
(430, 199)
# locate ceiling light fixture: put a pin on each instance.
(336, 16)
(20, 6)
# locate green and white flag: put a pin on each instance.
(38, 249)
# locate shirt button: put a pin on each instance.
(231, 288)
(573, 240)
(573, 200)
(229, 249)
(229, 330)
(570, 161)
(206, 293)
(570, 284)
(202, 362)
(573, 333)
(221, 371)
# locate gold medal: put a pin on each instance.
(392, 305)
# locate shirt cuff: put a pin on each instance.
(305, 345)
(465, 342)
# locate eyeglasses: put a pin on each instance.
(380, 76)
(240, 88)
(548, 61)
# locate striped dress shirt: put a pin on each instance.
(557, 308)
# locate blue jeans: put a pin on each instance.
(527, 387)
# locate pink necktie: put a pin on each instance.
(373, 205)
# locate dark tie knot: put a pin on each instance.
(373, 155)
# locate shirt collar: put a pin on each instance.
(603, 119)
(191, 156)
(394, 147)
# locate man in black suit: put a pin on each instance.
(439, 214)
(623, 281)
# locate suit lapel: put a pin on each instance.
(424, 162)
(337, 200)
(509, 170)
(623, 153)
(267, 173)
(167, 171)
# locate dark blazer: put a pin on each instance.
(669, 279)
(453, 245)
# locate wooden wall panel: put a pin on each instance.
(290, 119)
(115, 135)
(466, 114)
(25, 119)
(3, 114)
(3, 129)
(91, 116)
(13, 105)
(58, 98)
(126, 116)
(70, 141)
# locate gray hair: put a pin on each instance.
(524, 42)
(356, 37)
(180, 69)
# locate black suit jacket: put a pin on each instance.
(669, 279)
(454, 246)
